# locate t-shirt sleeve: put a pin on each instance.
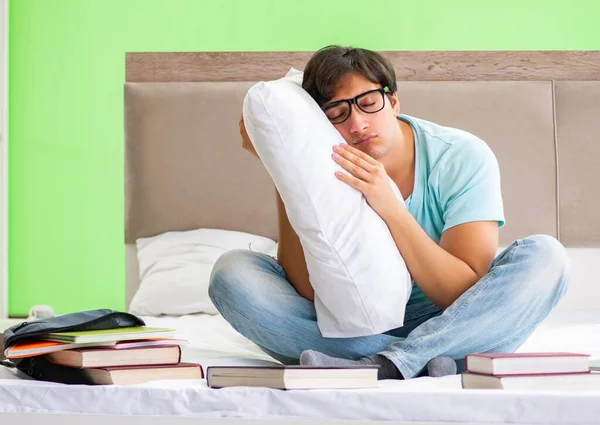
(468, 179)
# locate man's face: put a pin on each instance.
(372, 133)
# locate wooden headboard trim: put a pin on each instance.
(409, 65)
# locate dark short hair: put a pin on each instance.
(325, 68)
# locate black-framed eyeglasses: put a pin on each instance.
(369, 102)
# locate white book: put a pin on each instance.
(292, 377)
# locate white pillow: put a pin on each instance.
(175, 268)
(360, 280)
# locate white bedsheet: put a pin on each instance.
(213, 341)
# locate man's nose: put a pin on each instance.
(357, 120)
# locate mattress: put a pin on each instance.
(212, 341)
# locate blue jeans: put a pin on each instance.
(497, 314)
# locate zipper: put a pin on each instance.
(19, 326)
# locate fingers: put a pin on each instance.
(344, 152)
(360, 154)
(246, 142)
(354, 169)
(351, 180)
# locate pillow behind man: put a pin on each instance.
(360, 281)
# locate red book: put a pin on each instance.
(506, 364)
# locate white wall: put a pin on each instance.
(3, 156)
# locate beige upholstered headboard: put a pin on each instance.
(185, 168)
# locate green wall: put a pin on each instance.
(66, 70)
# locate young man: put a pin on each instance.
(465, 298)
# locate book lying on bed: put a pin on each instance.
(527, 363)
(552, 382)
(292, 377)
(117, 334)
(37, 348)
(139, 374)
(108, 357)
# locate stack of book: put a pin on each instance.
(114, 356)
(530, 371)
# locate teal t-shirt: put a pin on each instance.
(457, 180)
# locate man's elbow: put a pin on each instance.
(456, 290)
(309, 294)
(296, 273)
(302, 287)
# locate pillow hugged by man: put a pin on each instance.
(360, 280)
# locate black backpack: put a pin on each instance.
(40, 368)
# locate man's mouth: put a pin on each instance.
(365, 139)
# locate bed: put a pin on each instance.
(185, 170)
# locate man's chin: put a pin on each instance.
(373, 151)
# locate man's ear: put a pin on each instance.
(394, 102)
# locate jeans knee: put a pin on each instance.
(225, 277)
(550, 258)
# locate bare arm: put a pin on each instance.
(445, 271)
(290, 254)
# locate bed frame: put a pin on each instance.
(538, 111)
